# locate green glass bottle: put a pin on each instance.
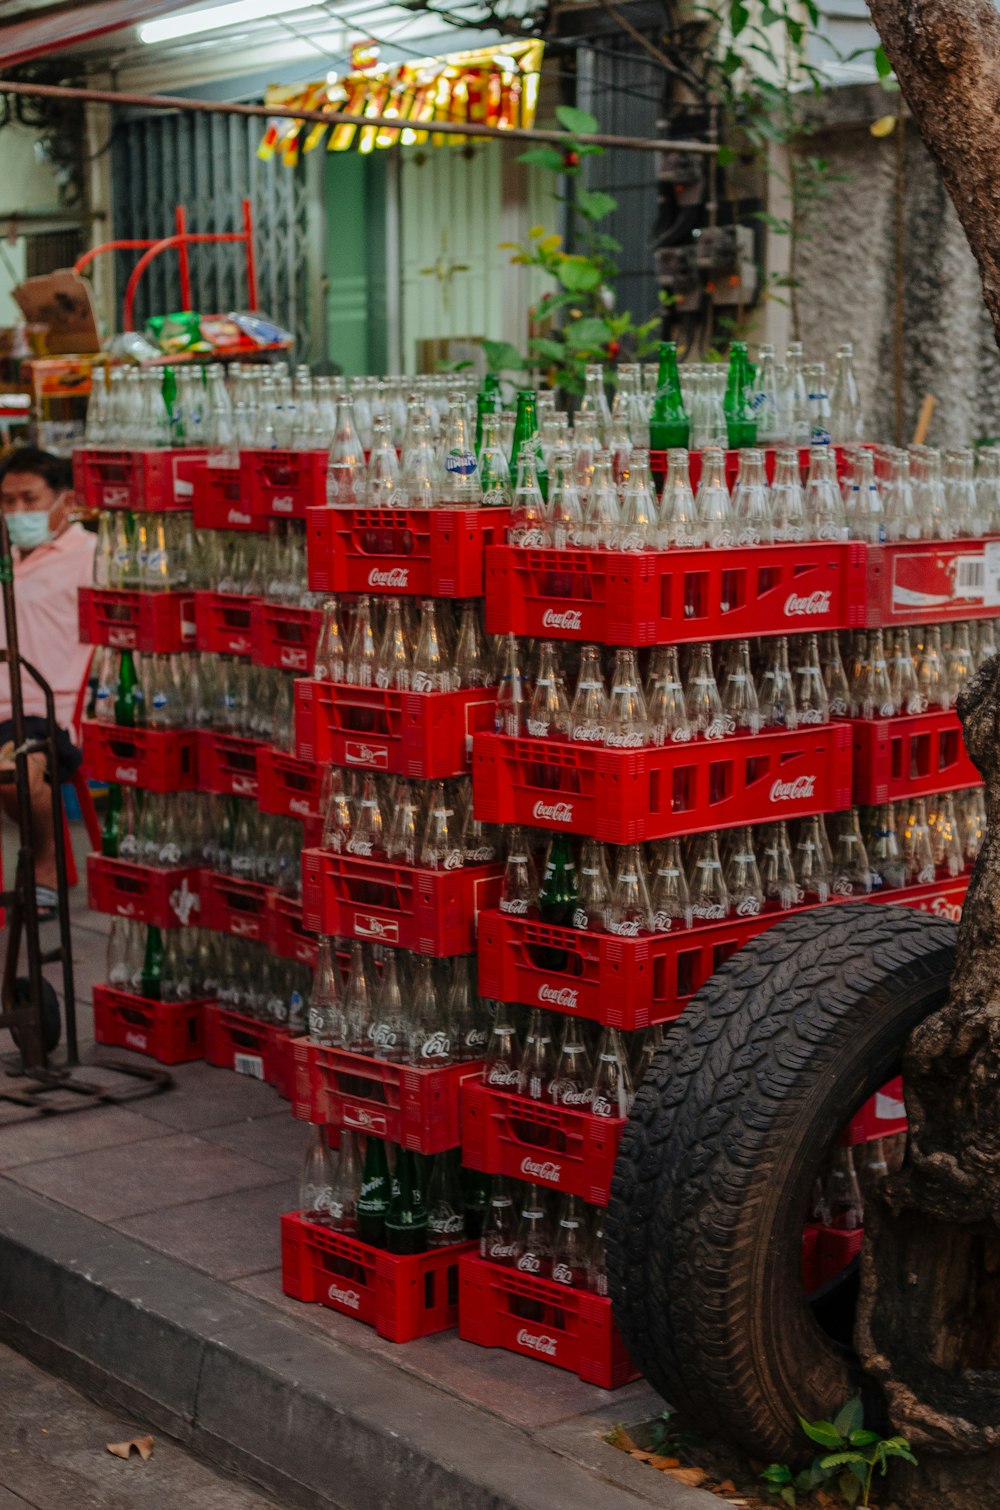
(128, 700)
(406, 1218)
(669, 427)
(475, 1200)
(376, 1187)
(526, 434)
(152, 964)
(112, 822)
(488, 401)
(557, 897)
(741, 427)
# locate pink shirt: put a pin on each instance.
(46, 581)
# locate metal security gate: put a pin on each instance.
(209, 164)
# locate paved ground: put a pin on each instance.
(202, 1174)
(53, 1455)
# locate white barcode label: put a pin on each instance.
(991, 574)
(970, 575)
(249, 1064)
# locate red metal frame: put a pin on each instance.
(182, 239)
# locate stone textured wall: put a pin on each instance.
(847, 270)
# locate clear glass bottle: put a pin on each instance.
(851, 871)
(751, 506)
(776, 695)
(549, 711)
(594, 888)
(317, 1179)
(519, 890)
(601, 510)
(572, 1084)
(777, 874)
(612, 1090)
(628, 719)
(590, 711)
(681, 527)
(809, 861)
(812, 704)
(703, 704)
(511, 704)
(630, 912)
(846, 419)
(787, 499)
(739, 695)
(538, 1059)
(527, 517)
(431, 669)
(709, 897)
(668, 718)
(638, 528)
(670, 899)
(713, 507)
(743, 879)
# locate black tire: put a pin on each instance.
(730, 1126)
(51, 1012)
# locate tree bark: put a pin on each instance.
(946, 54)
(928, 1320)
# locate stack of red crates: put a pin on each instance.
(154, 760)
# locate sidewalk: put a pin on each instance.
(140, 1258)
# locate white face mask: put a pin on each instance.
(29, 529)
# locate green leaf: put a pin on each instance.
(543, 346)
(777, 1473)
(587, 335)
(542, 157)
(788, 1496)
(739, 15)
(725, 156)
(862, 1438)
(579, 122)
(578, 274)
(501, 355)
(849, 1488)
(824, 1433)
(841, 1460)
(850, 1417)
(595, 204)
(882, 65)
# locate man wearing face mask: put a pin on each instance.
(53, 558)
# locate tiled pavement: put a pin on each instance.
(203, 1172)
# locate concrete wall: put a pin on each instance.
(27, 185)
(848, 275)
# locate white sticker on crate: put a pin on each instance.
(249, 1064)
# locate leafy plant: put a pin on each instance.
(579, 308)
(851, 1457)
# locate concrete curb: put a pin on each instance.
(319, 1425)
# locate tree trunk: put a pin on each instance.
(946, 54)
(928, 1320)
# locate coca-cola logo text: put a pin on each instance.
(349, 1298)
(129, 774)
(367, 755)
(942, 908)
(559, 996)
(368, 927)
(567, 618)
(538, 1344)
(536, 1169)
(138, 1041)
(793, 791)
(817, 603)
(553, 812)
(397, 577)
(361, 1117)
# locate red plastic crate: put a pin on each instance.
(915, 755)
(627, 796)
(223, 622)
(401, 1296)
(826, 1253)
(168, 1031)
(429, 911)
(234, 1041)
(284, 637)
(287, 934)
(159, 481)
(623, 982)
(882, 1116)
(227, 764)
(503, 1133)
(287, 784)
(574, 1329)
(232, 905)
(417, 734)
(416, 1108)
(654, 597)
(219, 503)
(158, 760)
(167, 898)
(283, 484)
(928, 582)
(942, 898)
(161, 622)
(433, 552)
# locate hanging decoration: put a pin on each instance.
(490, 86)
